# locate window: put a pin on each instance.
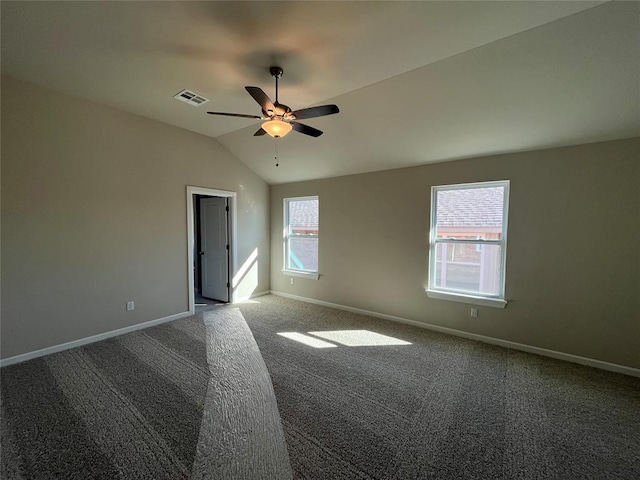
(468, 241)
(301, 236)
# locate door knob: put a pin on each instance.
(201, 253)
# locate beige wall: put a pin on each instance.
(94, 214)
(573, 257)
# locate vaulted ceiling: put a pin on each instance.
(416, 82)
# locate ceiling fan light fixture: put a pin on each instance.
(276, 128)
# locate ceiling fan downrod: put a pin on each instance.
(276, 72)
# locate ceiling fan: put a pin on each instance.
(279, 118)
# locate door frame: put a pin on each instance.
(232, 231)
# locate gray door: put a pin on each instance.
(214, 244)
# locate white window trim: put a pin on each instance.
(473, 300)
(296, 273)
(313, 275)
(497, 301)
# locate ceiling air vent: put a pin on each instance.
(190, 98)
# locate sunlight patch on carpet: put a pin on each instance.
(359, 338)
(307, 340)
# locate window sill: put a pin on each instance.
(294, 273)
(458, 297)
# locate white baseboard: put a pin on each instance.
(84, 341)
(249, 297)
(634, 372)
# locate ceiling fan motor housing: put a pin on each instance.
(280, 110)
(276, 72)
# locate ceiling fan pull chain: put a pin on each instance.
(276, 155)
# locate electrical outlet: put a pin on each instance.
(474, 312)
(130, 306)
(291, 281)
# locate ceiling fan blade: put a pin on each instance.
(312, 112)
(242, 115)
(262, 98)
(260, 132)
(306, 129)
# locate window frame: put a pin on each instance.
(293, 272)
(498, 300)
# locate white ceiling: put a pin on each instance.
(416, 82)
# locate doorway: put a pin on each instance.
(211, 221)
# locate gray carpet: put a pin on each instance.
(434, 406)
(128, 407)
(442, 407)
(241, 435)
